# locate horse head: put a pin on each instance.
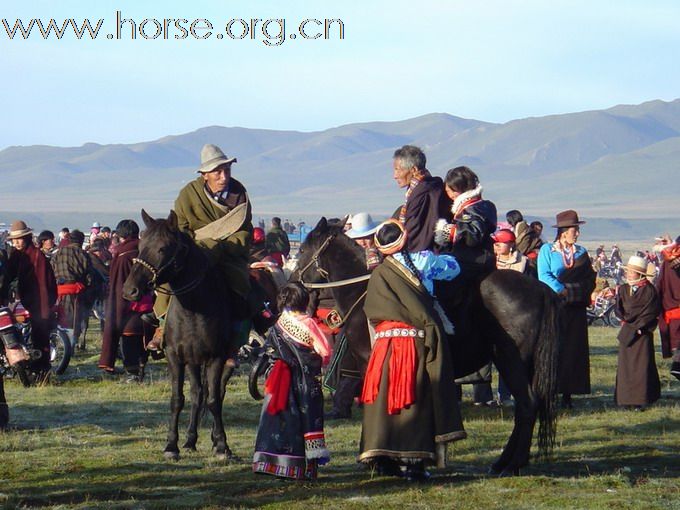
(162, 253)
(328, 250)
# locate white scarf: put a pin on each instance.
(464, 197)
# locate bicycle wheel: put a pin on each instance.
(61, 350)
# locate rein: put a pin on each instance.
(332, 285)
(155, 273)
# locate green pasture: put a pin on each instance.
(83, 442)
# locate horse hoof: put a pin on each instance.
(171, 455)
(189, 448)
(507, 473)
(494, 470)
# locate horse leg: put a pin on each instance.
(214, 370)
(196, 401)
(176, 404)
(515, 374)
(227, 372)
(4, 410)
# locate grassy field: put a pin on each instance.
(84, 442)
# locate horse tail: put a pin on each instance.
(544, 382)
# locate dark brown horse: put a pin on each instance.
(198, 326)
(516, 326)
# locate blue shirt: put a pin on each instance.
(432, 267)
(551, 265)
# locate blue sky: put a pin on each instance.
(489, 60)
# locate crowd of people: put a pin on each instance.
(443, 240)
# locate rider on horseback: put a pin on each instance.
(215, 210)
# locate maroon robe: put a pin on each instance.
(37, 287)
(637, 379)
(37, 290)
(668, 287)
(120, 319)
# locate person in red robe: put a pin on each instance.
(36, 288)
(668, 287)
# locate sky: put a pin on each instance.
(491, 60)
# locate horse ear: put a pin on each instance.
(322, 225)
(172, 220)
(344, 221)
(148, 220)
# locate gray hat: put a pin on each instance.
(212, 157)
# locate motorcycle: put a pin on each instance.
(16, 330)
(602, 310)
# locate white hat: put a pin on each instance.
(640, 266)
(212, 157)
(96, 225)
(362, 226)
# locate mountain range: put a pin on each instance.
(619, 164)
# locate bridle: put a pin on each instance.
(314, 261)
(172, 261)
(331, 285)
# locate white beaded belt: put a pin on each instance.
(412, 332)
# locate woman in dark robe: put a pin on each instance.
(290, 439)
(410, 410)
(565, 267)
(123, 323)
(637, 305)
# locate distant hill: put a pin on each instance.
(619, 163)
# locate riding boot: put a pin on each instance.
(156, 343)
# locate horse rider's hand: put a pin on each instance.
(443, 232)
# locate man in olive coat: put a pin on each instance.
(215, 210)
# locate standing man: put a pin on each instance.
(425, 201)
(36, 288)
(215, 210)
(73, 271)
(668, 287)
(277, 243)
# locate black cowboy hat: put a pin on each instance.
(567, 219)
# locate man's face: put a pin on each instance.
(48, 244)
(19, 244)
(218, 179)
(401, 175)
(365, 242)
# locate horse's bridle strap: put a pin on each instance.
(339, 283)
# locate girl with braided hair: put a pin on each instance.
(409, 415)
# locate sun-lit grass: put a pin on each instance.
(84, 442)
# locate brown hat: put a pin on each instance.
(567, 219)
(18, 229)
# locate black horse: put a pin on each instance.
(197, 329)
(515, 319)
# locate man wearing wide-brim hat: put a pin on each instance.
(36, 287)
(638, 307)
(215, 210)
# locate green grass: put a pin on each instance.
(84, 442)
